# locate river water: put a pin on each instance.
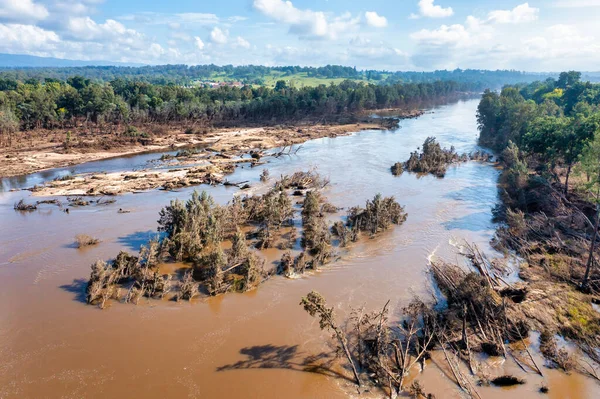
(238, 345)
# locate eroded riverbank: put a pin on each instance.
(253, 344)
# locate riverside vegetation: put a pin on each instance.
(545, 132)
(194, 234)
(435, 160)
(133, 111)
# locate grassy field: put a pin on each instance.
(297, 80)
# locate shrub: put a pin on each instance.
(83, 240)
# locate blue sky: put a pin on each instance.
(538, 35)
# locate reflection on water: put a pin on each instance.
(53, 345)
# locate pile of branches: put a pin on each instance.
(24, 207)
(303, 181)
(481, 315)
(432, 160)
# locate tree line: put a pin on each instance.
(553, 120)
(255, 74)
(66, 104)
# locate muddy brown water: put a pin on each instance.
(255, 344)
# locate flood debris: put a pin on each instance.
(558, 357)
(24, 207)
(77, 201)
(264, 175)
(378, 354)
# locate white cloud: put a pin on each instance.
(444, 35)
(306, 23)
(375, 20)
(86, 29)
(428, 9)
(22, 11)
(241, 42)
(199, 43)
(15, 38)
(181, 36)
(519, 14)
(218, 36)
(60, 8)
(198, 18)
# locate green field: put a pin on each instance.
(300, 79)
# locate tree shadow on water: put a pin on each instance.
(77, 287)
(135, 240)
(285, 357)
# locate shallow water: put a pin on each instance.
(237, 345)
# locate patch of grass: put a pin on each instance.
(582, 317)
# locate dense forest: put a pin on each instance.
(552, 121)
(66, 104)
(255, 74)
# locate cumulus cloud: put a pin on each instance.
(375, 20)
(60, 8)
(86, 29)
(306, 23)
(219, 36)
(180, 20)
(22, 11)
(199, 43)
(495, 42)
(428, 9)
(519, 14)
(16, 38)
(474, 30)
(444, 35)
(241, 42)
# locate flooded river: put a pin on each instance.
(53, 345)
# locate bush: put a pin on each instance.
(83, 240)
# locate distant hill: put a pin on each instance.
(31, 61)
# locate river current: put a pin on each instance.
(238, 345)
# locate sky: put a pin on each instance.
(542, 35)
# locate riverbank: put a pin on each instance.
(42, 150)
(203, 157)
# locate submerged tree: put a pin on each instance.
(314, 304)
(378, 215)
